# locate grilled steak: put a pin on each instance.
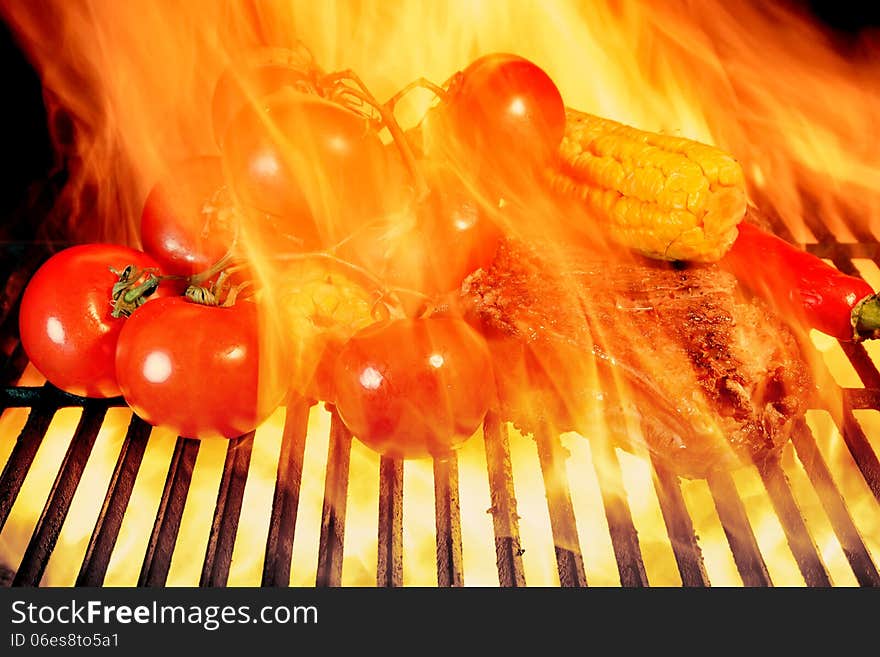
(673, 360)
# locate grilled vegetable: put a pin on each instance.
(803, 285)
(414, 388)
(665, 197)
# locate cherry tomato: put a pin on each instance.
(187, 223)
(260, 73)
(507, 110)
(202, 371)
(65, 324)
(459, 235)
(315, 165)
(414, 388)
(433, 246)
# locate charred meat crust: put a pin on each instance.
(670, 359)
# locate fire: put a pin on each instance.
(757, 81)
(765, 84)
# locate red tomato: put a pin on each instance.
(505, 107)
(65, 324)
(186, 223)
(451, 235)
(311, 163)
(395, 256)
(414, 388)
(458, 234)
(261, 73)
(198, 370)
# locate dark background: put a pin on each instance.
(27, 176)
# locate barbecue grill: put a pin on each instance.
(828, 536)
(507, 509)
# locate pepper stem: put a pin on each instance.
(866, 318)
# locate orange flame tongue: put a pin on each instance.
(758, 82)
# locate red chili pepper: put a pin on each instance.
(797, 282)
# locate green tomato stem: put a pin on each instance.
(128, 295)
(227, 259)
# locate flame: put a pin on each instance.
(129, 86)
(764, 83)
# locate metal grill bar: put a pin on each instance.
(221, 540)
(43, 540)
(861, 363)
(331, 545)
(811, 214)
(160, 549)
(26, 446)
(389, 566)
(841, 256)
(48, 395)
(679, 527)
(282, 522)
(624, 538)
(106, 531)
(740, 536)
(860, 449)
(850, 250)
(802, 545)
(861, 398)
(448, 518)
(505, 521)
(562, 521)
(846, 531)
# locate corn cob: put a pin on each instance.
(665, 197)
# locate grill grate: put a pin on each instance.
(732, 509)
(221, 541)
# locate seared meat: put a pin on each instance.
(675, 360)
